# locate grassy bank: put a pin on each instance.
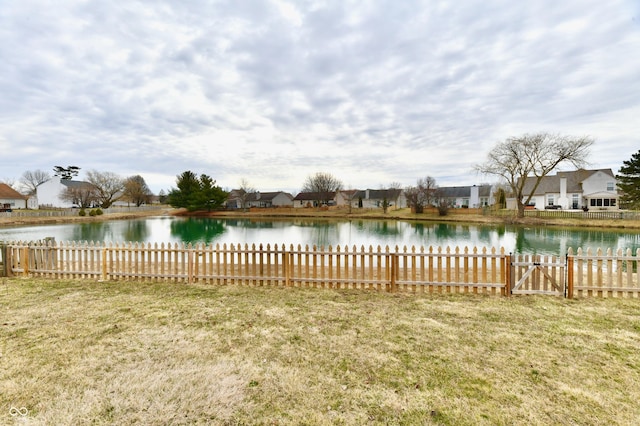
(76, 352)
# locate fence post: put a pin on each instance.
(507, 274)
(393, 264)
(286, 257)
(190, 262)
(570, 275)
(103, 270)
(25, 261)
(3, 257)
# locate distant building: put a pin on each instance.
(11, 198)
(259, 199)
(591, 189)
(372, 198)
(50, 192)
(467, 196)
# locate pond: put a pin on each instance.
(516, 239)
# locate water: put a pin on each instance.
(365, 233)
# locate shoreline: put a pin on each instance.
(334, 213)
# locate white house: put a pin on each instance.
(259, 199)
(591, 189)
(467, 196)
(49, 192)
(372, 198)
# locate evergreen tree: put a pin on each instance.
(196, 193)
(629, 182)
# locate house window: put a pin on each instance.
(606, 202)
(610, 186)
(575, 202)
(613, 202)
(550, 200)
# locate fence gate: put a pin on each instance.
(538, 275)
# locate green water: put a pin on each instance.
(349, 233)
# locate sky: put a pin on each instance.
(274, 91)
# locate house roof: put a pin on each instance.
(551, 184)
(74, 183)
(379, 194)
(463, 191)
(7, 192)
(266, 196)
(314, 196)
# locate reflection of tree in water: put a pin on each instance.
(252, 224)
(96, 231)
(127, 230)
(324, 234)
(193, 229)
(136, 231)
(444, 231)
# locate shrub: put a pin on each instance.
(82, 212)
(99, 211)
(92, 212)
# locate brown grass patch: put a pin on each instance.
(77, 352)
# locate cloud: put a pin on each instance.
(272, 91)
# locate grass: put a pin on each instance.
(75, 352)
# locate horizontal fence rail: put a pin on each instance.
(412, 269)
(569, 214)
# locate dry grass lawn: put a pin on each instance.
(79, 352)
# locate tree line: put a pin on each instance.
(532, 156)
(100, 189)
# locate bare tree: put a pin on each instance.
(423, 194)
(108, 187)
(31, 179)
(81, 194)
(136, 191)
(244, 193)
(324, 185)
(533, 156)
(9, 182)
(397, 190)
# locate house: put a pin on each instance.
(314, 199)
(11, 199)
(372, 198)
(50, 192)
(258, 199)
(475, 196)
(579, 189)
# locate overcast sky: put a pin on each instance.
(372, 92)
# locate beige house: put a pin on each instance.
(580, 189)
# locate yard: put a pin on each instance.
(78, 352)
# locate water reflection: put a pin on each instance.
(344, 233)
(197, 230)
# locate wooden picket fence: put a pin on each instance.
(432, 269)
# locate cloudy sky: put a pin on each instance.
(272, 91)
